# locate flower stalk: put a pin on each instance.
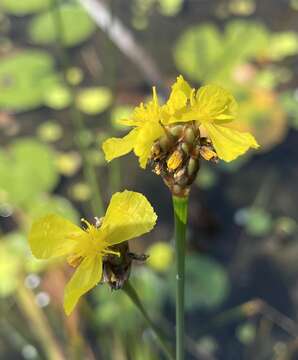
(180, 206)
(132, 294)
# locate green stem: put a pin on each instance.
(77, 119)
(132, 294)
(180, 205)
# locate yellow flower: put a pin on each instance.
(146, 120)
(213, 108)
(129, 215)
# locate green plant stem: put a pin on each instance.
(180, 205)
(77, 119)
(132, 294)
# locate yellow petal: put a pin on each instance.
(214, 103)
(180, 94)
(86, 276)
(52, 236)
(129, 215)
(146, 136)
(116, 147)
(229, 143)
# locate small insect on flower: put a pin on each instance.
(128, 215)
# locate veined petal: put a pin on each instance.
(214, 103)
(116, 147)
(179, 96)
(129, 215)
(145, 139)
(53, 236)
(229, 143)
(86, 276)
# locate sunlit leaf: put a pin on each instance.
(68, 163)
(204, 53)
(120, 112)
(24, 7)
(170, 7)
(76, 24)
(282, 45)
(259, 222)
(50, 131)
(57, 97)
(94, 100)
(27, 169)
(24, 78)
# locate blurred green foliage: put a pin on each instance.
(76, 24)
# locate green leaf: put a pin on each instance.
(27, 169)
(24, 7)
(205, 54)
(24, 77)
(77, 26)
(282, 45)
(207, 283)
(57, 97)
(259, 222)
(94, 100)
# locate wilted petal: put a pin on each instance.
(86, 276)
(53, 236)
(129, 215)
(116, 147)
(229, 143)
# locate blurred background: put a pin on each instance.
(68, 70)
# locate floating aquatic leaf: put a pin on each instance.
(205, 54)
(207, 283)
(68, 163)
(76, 23)
(9, 270)
(24, 7)
(50, 131)
(80, 192)
(170, 7)
(57, 97)
(259, 222)
(94, 100)
(120, 112)
(282, 45)
(161, 256)
(74, 75)
(246, 333)
(24, 77)
(27, 169)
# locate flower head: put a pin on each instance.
(128, 215)
(213, 109)
(146, 120)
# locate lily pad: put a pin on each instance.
(57, 97)
(24, 77)
(24, 7)
(76, 23)
(94, 100)
(204, 53)
(27, 169)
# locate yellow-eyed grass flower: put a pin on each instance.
(173, 137)
(128, 215)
